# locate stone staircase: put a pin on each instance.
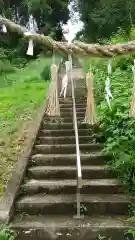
(46, 204)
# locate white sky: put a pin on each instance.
(73, 26)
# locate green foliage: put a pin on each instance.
(103, 18)
(83, 209)
(101, 237)
(119, 37)
(120, 139)
(49, 15)
(124, 62)
(12, 47)
(6, 67)
(7, 234)
(132, 211)
(132, 33)
(118, 128)
(21, 94)
(46, 73)
(132, 232)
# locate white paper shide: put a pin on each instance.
(108, 94)
(32, 28)
(4, 29)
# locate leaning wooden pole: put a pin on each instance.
(90, 116)
(52, 102)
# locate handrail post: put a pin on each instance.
(78, 198)
(78, 160)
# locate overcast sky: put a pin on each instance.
(73, 26)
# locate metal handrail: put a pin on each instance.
(79, 169)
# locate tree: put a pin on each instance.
(102, 18)
(49, 14)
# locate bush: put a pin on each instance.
(122, 62)
(6, 67)
(119, 133)
(7, 234)
(132, 33)
(118, 128)
(45, 75)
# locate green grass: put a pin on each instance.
(32, 71)
(21, 94)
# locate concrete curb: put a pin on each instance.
(13, 186)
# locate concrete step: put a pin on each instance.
(54, 227)
(69, 140)
(69, 148)
(66, 204)
(109, 186)
(64, 132)
(80, 87)
(68, 172)
(64, 125)
(70, 109)
(69, 119)
(80, 92)
(68, 159)
(70, 101)
(67, 114)
(70, 105)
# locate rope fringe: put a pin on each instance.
(90, 116)
(132, 109)
(52, 102)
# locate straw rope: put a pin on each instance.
(76, 48)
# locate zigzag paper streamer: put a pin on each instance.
(109, 68)
(4, 29)
(32, 28)
(30, 48)
(65, 80)
(108, 87)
